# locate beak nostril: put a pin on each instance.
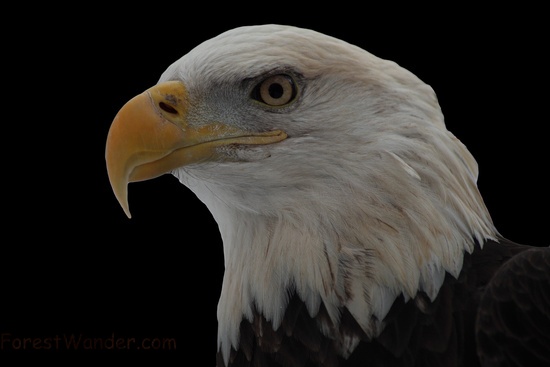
(166, 107)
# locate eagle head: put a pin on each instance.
(329, 171)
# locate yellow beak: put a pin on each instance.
(150, 136)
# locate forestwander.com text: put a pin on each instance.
(79, 341)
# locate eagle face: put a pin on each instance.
(329, 171)
(340, 103)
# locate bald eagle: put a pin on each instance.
(353, 230)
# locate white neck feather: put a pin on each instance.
(357, 245)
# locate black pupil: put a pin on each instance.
(276, 90)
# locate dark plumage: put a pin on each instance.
(513, 326)
(425, 333)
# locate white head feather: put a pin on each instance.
(370, 197)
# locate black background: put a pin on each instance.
(72, 263)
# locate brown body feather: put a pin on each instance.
(424, 333)
(513, 322)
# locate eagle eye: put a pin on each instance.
(276, 90)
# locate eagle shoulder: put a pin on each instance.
(513, 322)
(417, 331)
